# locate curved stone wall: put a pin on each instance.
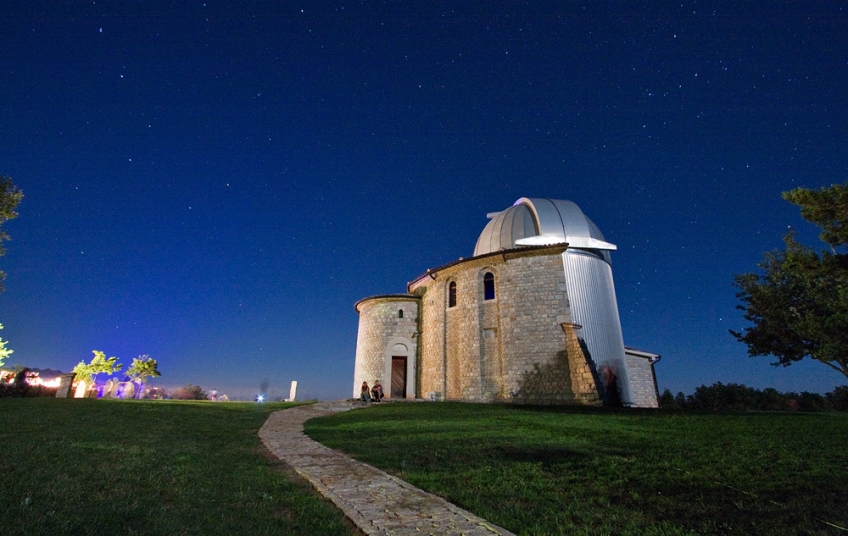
(384, 333)
(508, 348)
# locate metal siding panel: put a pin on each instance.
(490, 237)
(495, 235)
(519, 224)
(485, 238)
(591, 294)
(504, 229)
(549, 217)
(506, 238)
(573, 219)
(530, 228)
(550, 222)
(594, 231)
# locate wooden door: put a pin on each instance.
(398, 377)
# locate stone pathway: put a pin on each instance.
(378, 503)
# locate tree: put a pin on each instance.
(4, 352)
(142, 367)
(99, 364)
(798, 304)
(10, 196)
(827, 208)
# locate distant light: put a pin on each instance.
(260, 398)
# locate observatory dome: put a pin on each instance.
(540, 221)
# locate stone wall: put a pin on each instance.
(431, 350)
(642, 381)
(488, 350)
(65, 385)
(381, 331)
(533, 304)
(491, 349)
(568, 378)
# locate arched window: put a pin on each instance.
(489, 286)
(452, 294)
(400, 313)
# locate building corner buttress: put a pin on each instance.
(583, 382)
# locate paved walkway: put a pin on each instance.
(378, 503)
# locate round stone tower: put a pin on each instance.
(387, 344)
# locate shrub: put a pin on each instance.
(40, 390)
(9, 390)
(667, 400)
(189, 392)
(839, 398)
(813, 402)
(24, 390)
(154, 393)
(737, 397)
(720, 397)
(670, 401)
(771, 400)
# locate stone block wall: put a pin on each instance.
(533, 303)
(487, 350)
(491, 350)
(642, 381)
(431, 349)
(65, 384)
(584, 380)
(462, 342)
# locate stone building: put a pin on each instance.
(530, 318)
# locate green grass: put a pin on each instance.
(149, 467)
(594, 471)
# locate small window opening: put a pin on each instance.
(489, 286)
(452, 294)
(400, 313)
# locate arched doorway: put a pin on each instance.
(399, 369)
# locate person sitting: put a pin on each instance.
(364, 393)
(377, 391)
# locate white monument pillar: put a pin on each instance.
(293, 391)
(81, 389)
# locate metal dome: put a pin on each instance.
(540, 221)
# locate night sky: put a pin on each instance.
(215, 184)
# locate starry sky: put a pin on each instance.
(216, 183)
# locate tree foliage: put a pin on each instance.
(99, 364)
(798, 303)
(737, 397)
(142, 368)
(827, 208)
(10, 197)
(4, 352)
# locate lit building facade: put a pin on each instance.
(531, 318)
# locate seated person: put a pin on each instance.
(377, 391)
(364, 393)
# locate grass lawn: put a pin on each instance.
(149, 467)
(594, 471)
